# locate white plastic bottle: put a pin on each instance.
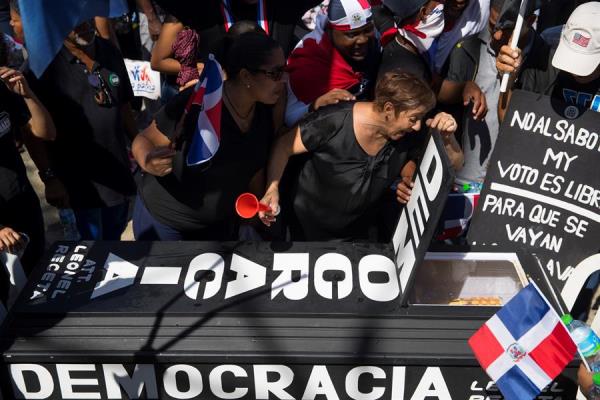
(587, 341)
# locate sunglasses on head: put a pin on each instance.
(275, 74)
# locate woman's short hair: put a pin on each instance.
(404, 91)
(250, 51)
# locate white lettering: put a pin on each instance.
(194, 379)
(352, 383)
(333, 262)
(216, 382)
(63, 371)
(264, 387)
(287, 263)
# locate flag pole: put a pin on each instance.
(587, 365)
(514, 41)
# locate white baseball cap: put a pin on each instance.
(579, 49)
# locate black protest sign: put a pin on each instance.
(542, 189)
(418, 220)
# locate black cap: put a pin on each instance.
(404, 8)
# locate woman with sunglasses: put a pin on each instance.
(179, 202)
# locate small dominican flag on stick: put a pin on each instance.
(208, 96)
(524, 346)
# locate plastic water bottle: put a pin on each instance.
(69, 224)
(587, 341)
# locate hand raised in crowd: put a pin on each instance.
(403, 190)
(333, 97)
(15, 81)
(272, 199)
(443, 122)
(508, 59)
(159, 161)
(472, 93)
(10, 240)
(56, 193)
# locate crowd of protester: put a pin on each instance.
(325, 110)
(326, 107)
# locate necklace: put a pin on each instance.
(234, 108)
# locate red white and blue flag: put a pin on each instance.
(261, 15)
(524, 346)
(457, 214)
(208, 96)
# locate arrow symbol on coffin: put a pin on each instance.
(119, 274)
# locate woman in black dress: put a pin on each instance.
(357, 151)
(180, 202)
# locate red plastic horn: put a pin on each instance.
(247, 205)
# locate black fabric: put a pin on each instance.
(4, 11)
(13, 115)
(544, 78)
(206, 17)
(89, 154)
(193, 198)
(340, 186)
(397, 57)
(462, 64)
(24, 214)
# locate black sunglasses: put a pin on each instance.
(275, 74)
(102, 95)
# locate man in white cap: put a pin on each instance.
(572, 72)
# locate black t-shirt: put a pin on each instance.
(89, 154)
(340, 185)
(561, 85)
(397, 57)
(13, 115)
(196, 197)
(207, 18)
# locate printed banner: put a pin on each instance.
(145, 82)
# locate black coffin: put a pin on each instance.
(239, 320)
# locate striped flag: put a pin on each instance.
(208, 97)
(457, 214)
(524, 346)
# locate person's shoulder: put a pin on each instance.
(330, 115)
(469, 45)
(341, 108)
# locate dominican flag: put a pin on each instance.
(524, 346)
(207, 99)
(457, 214)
